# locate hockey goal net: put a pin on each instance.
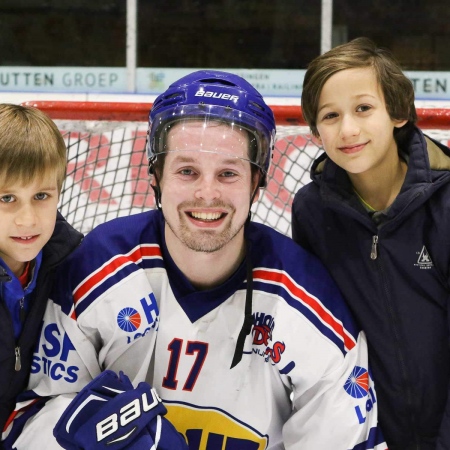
(107, 165)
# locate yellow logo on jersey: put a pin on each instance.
(210, 428)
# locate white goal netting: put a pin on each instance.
(107, 165)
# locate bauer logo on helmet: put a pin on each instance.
(222, 95)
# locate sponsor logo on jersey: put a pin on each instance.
(52, 355)
(424, 259)
(128, 319)
(222, 95)
(357, 386)
(210, 428)
(262, 331)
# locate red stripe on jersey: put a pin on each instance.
(13, 415)
(114, 264)
(314, 304)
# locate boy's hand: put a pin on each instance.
(110, 411)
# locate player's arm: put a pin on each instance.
(110, 413)
(59, 370)
(338, 411)
(74, 348)
(31, 424)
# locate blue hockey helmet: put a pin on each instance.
(214, 96)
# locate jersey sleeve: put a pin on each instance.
(63, 362)
(338, 411)
(320, 353)
(96, 319)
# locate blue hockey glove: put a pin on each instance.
(110, 413)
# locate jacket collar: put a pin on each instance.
(63, 241)
(12, 286)
(428, 169)
(4, 275)
(427, 157)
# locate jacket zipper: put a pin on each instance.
(374, 251)
(22, 310)
(374, 256)
(18, 364)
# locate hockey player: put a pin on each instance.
(241, 332)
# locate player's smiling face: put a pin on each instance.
(206, 185)
(27, 216)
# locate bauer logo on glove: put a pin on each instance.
(109, 410)
(128, 414)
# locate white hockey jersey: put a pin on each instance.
(120, 303)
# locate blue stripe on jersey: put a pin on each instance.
(116, 237)
(375, 438)
(121, 274)
(306, 312)
(275, 251)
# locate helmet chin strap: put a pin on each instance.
(157, 192)
(258, 186)
(156, 187)
(248, 316)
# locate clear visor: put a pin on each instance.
(211, 129)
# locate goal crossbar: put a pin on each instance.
(428, 118)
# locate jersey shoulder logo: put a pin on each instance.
(358, 387)
(424, 260)
(128, 319)
(262, 331)
(357, 384)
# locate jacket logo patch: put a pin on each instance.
(424, 260)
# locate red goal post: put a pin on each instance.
(107, 166)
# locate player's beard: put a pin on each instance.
(207, 241)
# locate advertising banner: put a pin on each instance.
(113, 80)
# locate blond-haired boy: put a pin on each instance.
(34, 238)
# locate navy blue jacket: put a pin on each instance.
(395, 277)
(12, 350)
